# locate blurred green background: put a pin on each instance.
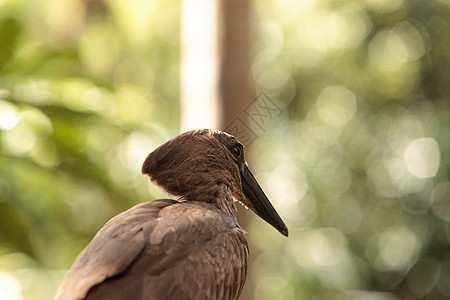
(357, 165)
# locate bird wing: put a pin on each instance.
(192, 252)
(220, 269)
(211, 264)
(112, 250)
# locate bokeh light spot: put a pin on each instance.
(336, 105)
(397, 247)
(287, 185)
(327, 247)
(10, 288)
(19, 140)
(9, 115)
(391, 49)
(422, 157)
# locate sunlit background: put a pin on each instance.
(357, 164)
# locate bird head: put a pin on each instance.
(197, 165)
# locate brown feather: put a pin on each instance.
(176, 250)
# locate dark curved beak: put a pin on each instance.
(259, 202)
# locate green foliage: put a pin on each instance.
(357, 165)
(360, 172)
(83, 98)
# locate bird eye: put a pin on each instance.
(236, 151)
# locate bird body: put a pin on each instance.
(191, 248)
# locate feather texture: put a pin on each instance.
(153, 250)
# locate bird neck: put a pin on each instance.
(225, 201)
(217, 195)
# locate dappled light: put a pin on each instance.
(365, 148)
(356, 162)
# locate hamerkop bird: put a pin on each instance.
(190, 248)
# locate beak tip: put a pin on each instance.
(284, 230)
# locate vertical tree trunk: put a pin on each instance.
(234, 59)
(215, 67)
